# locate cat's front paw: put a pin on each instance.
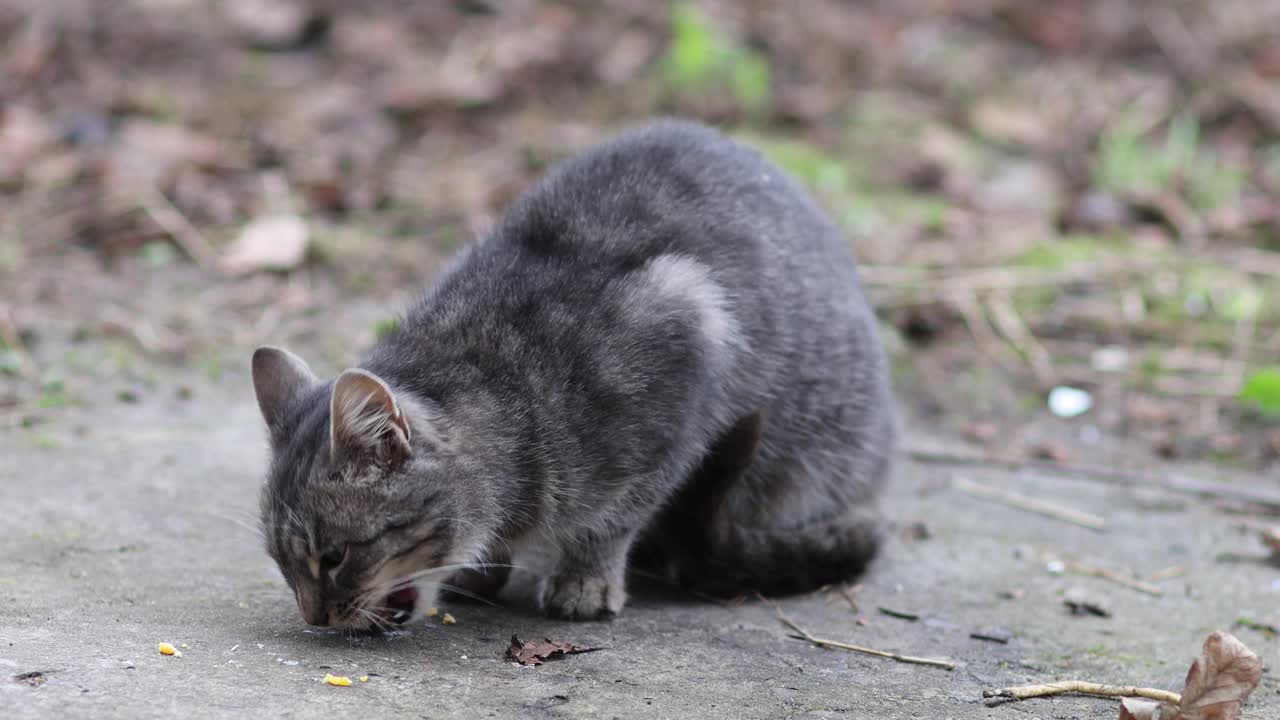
(584, 597)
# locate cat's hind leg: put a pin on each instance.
(772, 523)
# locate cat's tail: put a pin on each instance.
(781, 561)
(699, 542)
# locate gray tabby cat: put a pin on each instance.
(662, 353)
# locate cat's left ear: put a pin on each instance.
(364, 417)
(280, 378)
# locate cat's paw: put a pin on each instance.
(584, 597)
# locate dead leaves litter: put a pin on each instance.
(535, 652)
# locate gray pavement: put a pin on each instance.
(124, 525)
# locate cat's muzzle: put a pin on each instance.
(401, 603)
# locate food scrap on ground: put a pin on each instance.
(432, 612)
(534, 652)
(169, 649)
(364, 678)
(337, 680)
(448, 619)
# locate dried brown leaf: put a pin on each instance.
(1080, 602)
(1140, 709)
(534, 652)
(276, 242)
(1220, 680)
(1271, 538)
(24, 136)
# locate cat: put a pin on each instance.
(661, 353)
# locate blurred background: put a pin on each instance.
(1067, 211)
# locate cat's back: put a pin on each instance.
(673, 186)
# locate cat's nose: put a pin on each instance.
(313, 611)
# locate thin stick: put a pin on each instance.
(1030, 504)
(1115, 577)
(10, 338)
(939, 284)
(1168, 573)
(848, 595)
(1015, 331)
(1177, 483)
(1022, 692)
(984, 335)
(802, 634)
(179, 228)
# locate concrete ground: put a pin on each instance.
(125, 525)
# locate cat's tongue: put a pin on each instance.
(402, 602)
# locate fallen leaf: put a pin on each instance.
(1079, 602)
(1271, 538)
(274, 24)
(915, 532)
(153, 152)
(24, 136)
(1139, 709)
(1220, 680)
(1052, 452)
(982, 431)
(1098, 211)
(274, 242)
(534, 652)
(1011, 123)
(34, 678)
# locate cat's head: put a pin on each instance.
(359, 506)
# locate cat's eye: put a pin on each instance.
(333, 557)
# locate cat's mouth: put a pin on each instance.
(401, 603)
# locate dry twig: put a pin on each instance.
(848, 592)
(12, 340)
(802, 634)
(984, 334)
(1015, 331)
(1218, 490)
(1030, 504)
(1167, 573)
(179, 228)
(1115, 577)
(1022, 692)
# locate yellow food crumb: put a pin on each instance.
(448, 619)
(364, 678)
(432, 612)
(184, 646)
(339, 680)
(167, 649)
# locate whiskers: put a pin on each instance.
(375, 620)
(468, 594)
(369, 604)
(406, 580)
(243, 519)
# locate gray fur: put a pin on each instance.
(662, 352)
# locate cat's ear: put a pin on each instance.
(279, 377)
(364, 417)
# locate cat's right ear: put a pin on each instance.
(279, 377)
